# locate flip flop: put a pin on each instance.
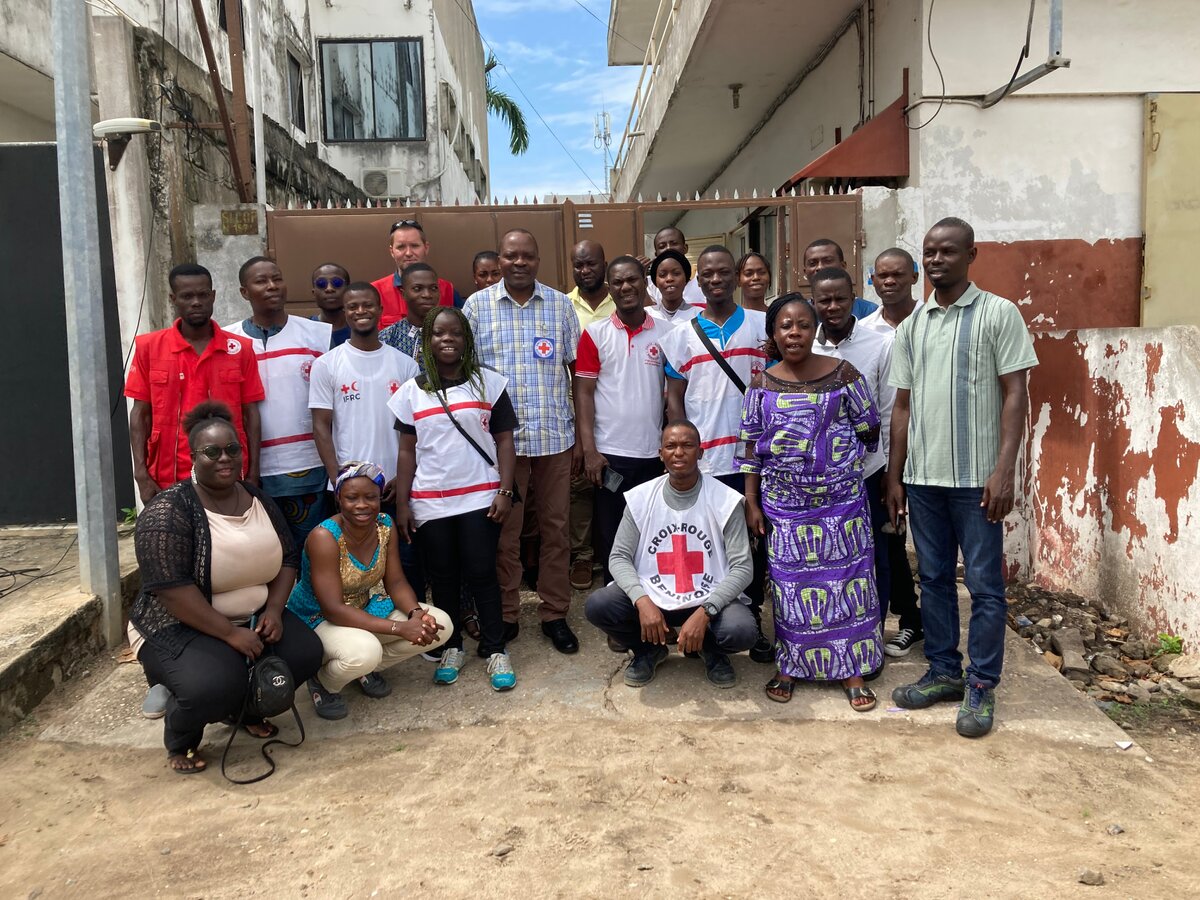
(785, 689)
(198, 764)
(272, 730)
(857, 693)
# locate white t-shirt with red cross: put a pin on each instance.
(356, 385)
(284, 365)
(712, 401)
(451, 477)
(627, 365)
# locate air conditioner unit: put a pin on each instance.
(385, 182)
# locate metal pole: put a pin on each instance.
(95, 495)
(260, 125)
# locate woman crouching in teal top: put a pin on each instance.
(365, 613)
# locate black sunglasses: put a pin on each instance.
(213, 452)
(334, 282)
(406, 223)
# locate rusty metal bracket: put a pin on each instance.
(239, 145)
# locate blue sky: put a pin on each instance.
(558, 55)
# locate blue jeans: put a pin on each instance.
(945, 520)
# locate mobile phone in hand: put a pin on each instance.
(611, 480)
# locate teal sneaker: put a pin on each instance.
(447, 670)
(977, 712)
(929, 690)
(500, 672)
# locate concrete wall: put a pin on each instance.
(1113, 462)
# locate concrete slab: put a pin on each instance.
(47, 625)
(1033, 698)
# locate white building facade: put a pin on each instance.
(360, 101)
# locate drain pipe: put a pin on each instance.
(260, 138)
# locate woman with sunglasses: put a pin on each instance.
(353, 594)
(217, 562)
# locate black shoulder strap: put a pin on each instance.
(717, 357)
(453, 421)
(266, 745)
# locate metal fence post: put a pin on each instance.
(95, 495)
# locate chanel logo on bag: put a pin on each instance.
(279, 680)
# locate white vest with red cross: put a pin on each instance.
(681, 552)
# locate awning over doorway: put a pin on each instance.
(879, 149)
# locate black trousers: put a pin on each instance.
(758, 553)
(893, 571)
(609, 507)
(208, 679)
(459, 552)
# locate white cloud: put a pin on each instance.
(512, 52)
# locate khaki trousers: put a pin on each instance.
(351, 653)
(582, 498)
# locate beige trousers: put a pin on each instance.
(351, 653)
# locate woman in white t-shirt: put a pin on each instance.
(454, 483)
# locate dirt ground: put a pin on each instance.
(590, 806)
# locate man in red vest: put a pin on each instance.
(407, 244)
(176, 368)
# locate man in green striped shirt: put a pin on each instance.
(959, 367)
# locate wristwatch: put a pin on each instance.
(711, 608)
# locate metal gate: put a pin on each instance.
(35, 442)
(357, 238)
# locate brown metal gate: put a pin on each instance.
(302, 239)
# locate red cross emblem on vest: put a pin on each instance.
(681, 564)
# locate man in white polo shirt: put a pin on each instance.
(619, 385)
(285, 347)
(710, 360)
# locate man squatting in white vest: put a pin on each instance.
(680, 560)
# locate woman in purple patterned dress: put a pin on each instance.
(807, 421)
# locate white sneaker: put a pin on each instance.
(447, 670)
(500, 672)
(902, 642)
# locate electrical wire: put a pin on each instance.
(53, 570)
(609, 28)
(938, 66)
(521, 91)
(1024, 55)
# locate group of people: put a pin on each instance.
(374, 483)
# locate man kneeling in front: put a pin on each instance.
(680, 560)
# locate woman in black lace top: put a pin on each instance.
(217, 562)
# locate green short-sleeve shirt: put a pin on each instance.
(951, 360)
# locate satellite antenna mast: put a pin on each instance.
(602, 138)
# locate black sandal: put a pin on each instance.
(782, 689)
(196, 764)
(859, 693)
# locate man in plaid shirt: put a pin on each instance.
(529, 332)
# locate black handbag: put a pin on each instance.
(270, 691)
(516, 494)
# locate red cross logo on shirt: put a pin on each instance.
(681, 564)
(393, 386)
(345, 388)
(543, 348)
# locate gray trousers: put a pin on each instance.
(609, 609)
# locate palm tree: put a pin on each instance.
(507, 109)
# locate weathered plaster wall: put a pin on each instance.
(1113, 462)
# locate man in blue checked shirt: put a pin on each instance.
(528, 332)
